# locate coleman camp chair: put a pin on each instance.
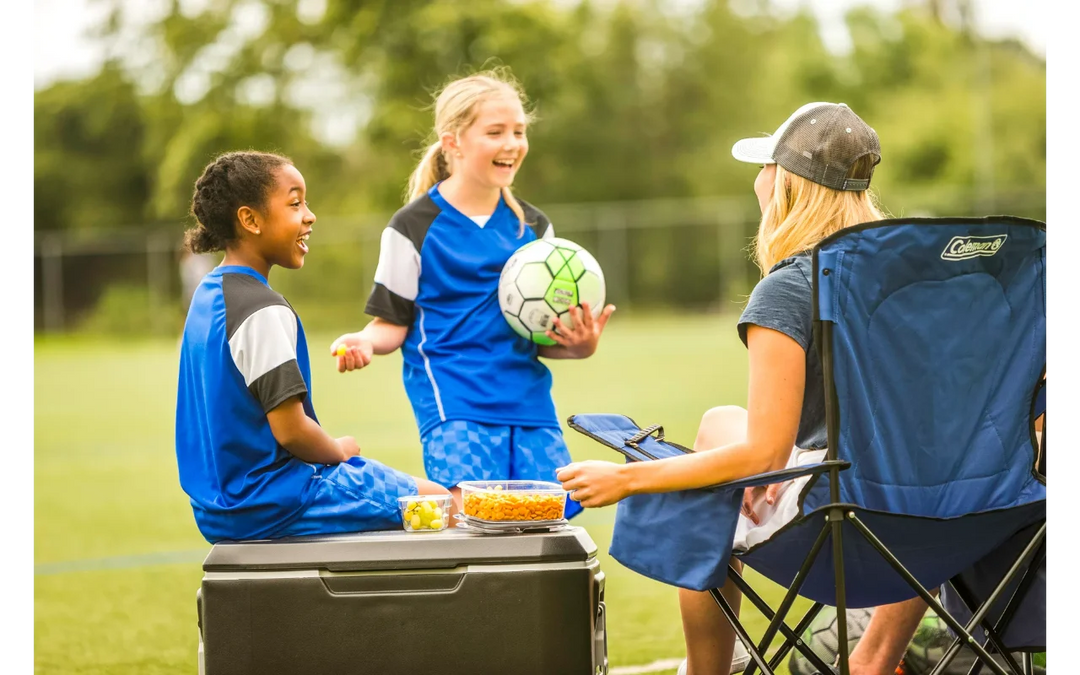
(932, 337)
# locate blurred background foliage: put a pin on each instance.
(636, 100)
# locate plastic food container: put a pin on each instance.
(425, 513)
(513, 501)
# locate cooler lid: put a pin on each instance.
(400, 550)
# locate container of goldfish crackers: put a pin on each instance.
(512, 501)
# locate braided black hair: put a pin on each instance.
(232, 180)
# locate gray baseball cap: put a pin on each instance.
(820, 142)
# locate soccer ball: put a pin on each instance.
(542, 280)
(822, 638)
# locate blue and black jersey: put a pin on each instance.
(438, 274)
(243, 353)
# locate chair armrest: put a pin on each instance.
(781, 476)
(622, 434)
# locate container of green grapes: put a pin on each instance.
(425, 513)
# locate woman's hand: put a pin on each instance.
(352, 352)
(751, 495)
(594, 483)
(580, 341)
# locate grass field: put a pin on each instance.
(116, 552)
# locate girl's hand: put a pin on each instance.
(594, 483)
(352, 352)
(581, 341)
(750, 495)
(348, 446)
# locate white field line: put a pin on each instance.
(655, 666)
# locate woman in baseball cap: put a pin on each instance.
(814, 180)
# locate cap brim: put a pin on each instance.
(755, 150)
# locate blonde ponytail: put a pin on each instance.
(431, 169)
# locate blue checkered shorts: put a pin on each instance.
(354, 496)
(459, 450)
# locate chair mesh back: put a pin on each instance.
(939, 339)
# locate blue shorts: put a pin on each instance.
(354, 496)
(459, 450)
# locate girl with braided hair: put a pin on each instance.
(252, 457)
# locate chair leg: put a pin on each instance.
(932, 601)
(789, 597)
(992, 636)
(837, 518)
(793, 636)
(994, 633)
(1028, 579)
(789, 644)
(1029, 668)
(757, 659)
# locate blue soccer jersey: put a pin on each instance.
(438, 274)
(243, 353)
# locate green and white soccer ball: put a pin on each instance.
(823, 639)
(542, 280)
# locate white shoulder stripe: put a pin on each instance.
(399, 265)
(264, 341)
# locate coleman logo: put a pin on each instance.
(962, 248)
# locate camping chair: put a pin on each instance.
(932, 337)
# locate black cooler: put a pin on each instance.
(395, 602)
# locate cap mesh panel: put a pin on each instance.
(817, 146)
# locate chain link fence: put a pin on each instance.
(679, 254)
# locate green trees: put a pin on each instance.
(89, 166)
(636, 99)
(633, 102)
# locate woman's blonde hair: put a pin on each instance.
(456, 108)
(800, 213)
